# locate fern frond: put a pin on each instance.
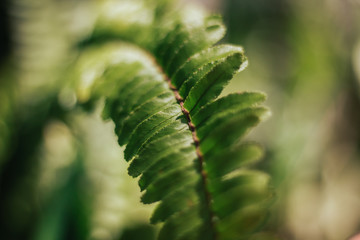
(182, 141)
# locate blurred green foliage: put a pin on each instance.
(303, 54)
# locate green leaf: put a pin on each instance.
(232, 158)
(172, 203)
(168, 183)
(189, 71)
(185, 40)
(216, 76)
(156, 150)
(219, 118)
(183, 143)
(227, 134)
(175, 228)
(154, 125)
(231, 101)
(143, 112)
(112, 82)
(181, 158)
(242, 224)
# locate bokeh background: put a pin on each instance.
(61, 184)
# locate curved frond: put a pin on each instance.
(183, 141)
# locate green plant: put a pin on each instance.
(160, 90)
(160, 78)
